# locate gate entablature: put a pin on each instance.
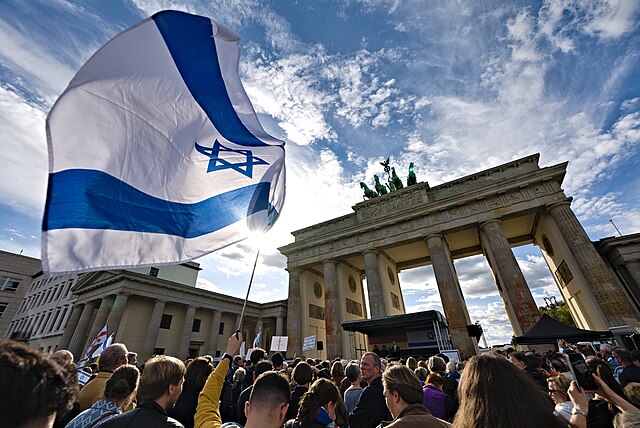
(410, 214)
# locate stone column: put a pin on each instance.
(116, 314)
(186, 331)
(374, 284)
(153, 329)
(101, 320)
(215, 333)
(455, 309)
(71, 327)
(612, 299)
(294, 315)
(279, 325)
(521, 308)
(332, 311)
(79, 336)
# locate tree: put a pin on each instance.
(558, 311)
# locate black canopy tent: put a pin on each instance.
(548, 330)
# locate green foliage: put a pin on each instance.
(559, 311)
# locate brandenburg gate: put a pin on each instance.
(487, 213)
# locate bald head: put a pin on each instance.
(63, 355)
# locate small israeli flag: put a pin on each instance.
(156, 154)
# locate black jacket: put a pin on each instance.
(147, 414)
(371, 408)
(243, 398)
(185, 408)
(294, 403)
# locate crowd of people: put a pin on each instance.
(496, 389)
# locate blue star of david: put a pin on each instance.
(218, 164)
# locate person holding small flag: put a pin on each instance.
(111, 358)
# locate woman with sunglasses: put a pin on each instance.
(558, 387)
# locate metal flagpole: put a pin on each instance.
(244, 306)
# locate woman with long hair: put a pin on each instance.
(495, 393)
(198, 372)
(601, 412)
(119, 392)
(318, 406)
(337, 373)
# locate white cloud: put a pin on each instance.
(24, 159)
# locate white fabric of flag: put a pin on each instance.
(156, 155)
(97, 345)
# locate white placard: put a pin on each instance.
(309, 343)
(279, 343)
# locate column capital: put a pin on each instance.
(332, 261)
(369, 251)
(490, 221)
(560, 203)
(433, 235)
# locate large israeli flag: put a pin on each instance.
(155, 152)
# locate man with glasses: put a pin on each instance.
(371, 408)
(111, 358)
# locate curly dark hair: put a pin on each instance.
(33, 385)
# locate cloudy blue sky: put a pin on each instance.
(454, 86)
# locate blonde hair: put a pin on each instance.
(632, 392)
(160, 372)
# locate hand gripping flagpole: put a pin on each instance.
(244, 306)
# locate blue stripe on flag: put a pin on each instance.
(192, 46)
(90, 199)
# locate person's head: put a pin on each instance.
(63, 355)
(422, 373)
(632, 392)
(412, 363)
(34, 387)
(434, 379)
(198, 372)
(262, 367)
(558, 387)
(113, 357)
(494, 392)
(519, 359)
(277, 360)
(239, 374)
(337, 369)
(604, 372)
(257, 355)
(436, 364)
(162, 380)
(132, 358)
(452, 367)
(353, 372)
(622, 356)
(269, 400)
(401, 388)
(302, 373)
(626, 420)
(238, 361)
(605, 350)
(121, 387)
(321, 393)
(370, 367)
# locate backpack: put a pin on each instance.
(226, 402)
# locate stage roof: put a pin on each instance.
(415, 319)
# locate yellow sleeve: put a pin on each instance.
(208, 410)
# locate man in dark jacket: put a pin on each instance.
(371, 408)
(160, 387)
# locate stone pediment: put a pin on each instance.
(91, 279)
